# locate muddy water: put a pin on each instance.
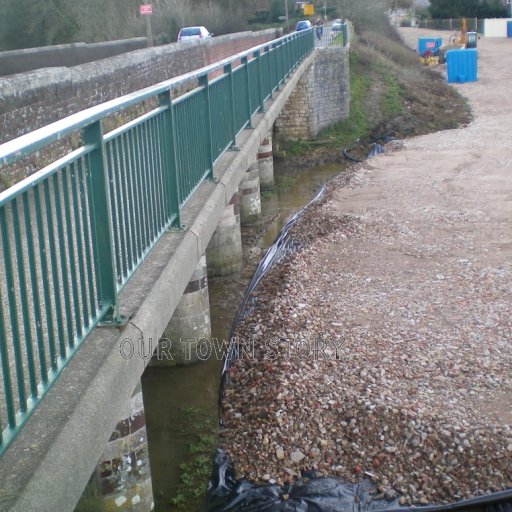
(171, 396)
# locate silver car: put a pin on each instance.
(193, 33)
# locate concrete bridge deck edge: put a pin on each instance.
(49, 463)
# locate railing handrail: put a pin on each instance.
(14, 149)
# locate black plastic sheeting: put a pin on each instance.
(283, 245)
(375, 147)
(310, 494)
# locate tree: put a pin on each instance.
(492, 9)
(32, 23)
(366, 14)
(444, 9)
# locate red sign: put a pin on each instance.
(146, 9)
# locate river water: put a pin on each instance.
(175, 396)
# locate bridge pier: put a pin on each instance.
(250, 199)
(224, 252)
(266, 162)
(190, 323)
(122, 478)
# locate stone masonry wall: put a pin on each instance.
(31, 100)
(321, 98)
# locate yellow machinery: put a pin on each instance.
(461, 38)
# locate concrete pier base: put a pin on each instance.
(122, 478)
(189, 324)
(224, 252)
(250, 199)
(266, 163)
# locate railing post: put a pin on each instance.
(269, 56)
(101, 226)
(289, 55)
(228, 70)
(245, 63)
(171, 161)
(256, 55)
(203, 82)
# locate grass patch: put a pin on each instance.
(391, 103)
(199, 431)
(291, 148)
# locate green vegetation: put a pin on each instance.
(445, 9)
(199, 431)
(391, 102)
(356, 126)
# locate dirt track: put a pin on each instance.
(410, 273)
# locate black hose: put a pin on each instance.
(351, 158)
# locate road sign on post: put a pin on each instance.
(147, 10)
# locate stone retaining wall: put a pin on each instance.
(321, 98)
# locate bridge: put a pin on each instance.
(105, 251)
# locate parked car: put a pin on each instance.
(336, 27)
(193, 33)
(303, 25)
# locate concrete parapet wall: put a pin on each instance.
(321, 98)
(31, 100)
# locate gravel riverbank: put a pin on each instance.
(383, 346)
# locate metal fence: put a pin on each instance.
(74, 232)
(332, 35)
(449, 24)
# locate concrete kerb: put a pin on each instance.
(49, 463)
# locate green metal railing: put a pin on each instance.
(73, 233)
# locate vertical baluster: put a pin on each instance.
(27, 330)
(112, 182)
(120, 209)
(13, 310)
(34, 286)
(45, 278)
(131, 251)
(204, 82)
(134, 192)
(228, 69)
(79, 229)
(87, 231)
(61, 249)
(52, 242)
(171, 158)
(245, 64)
(6, 371)
(141, 185)
(70, 220)
(151, 149)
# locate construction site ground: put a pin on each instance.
(405, 271)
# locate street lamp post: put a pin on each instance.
(286, 14)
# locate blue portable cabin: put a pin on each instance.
(462, 65)
(429, 43)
